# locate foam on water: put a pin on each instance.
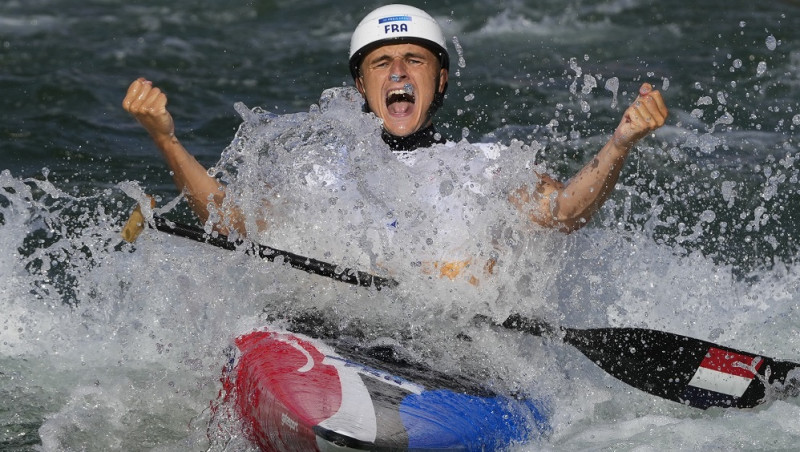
(348, 199)
(110, 345)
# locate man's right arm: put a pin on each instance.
(148, 105)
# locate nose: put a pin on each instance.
(397, 71)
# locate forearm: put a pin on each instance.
(569, 207)
(573, 205)
(203, 192)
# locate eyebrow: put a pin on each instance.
(386, 56)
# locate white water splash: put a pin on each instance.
(612, 84)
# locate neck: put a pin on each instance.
(423, 138)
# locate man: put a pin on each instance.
(399, 61)
(400, 64)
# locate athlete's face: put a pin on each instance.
(399, 82)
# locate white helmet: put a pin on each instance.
(396, 24)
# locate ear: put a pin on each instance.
(360, 86)
(444, 74)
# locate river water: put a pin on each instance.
(112, 346)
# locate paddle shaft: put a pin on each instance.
(309, 265)
(679, 368)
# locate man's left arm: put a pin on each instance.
(569, 207)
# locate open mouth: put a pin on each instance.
(400, 101)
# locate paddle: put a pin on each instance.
(136, 223)
(679, 368)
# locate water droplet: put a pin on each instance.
(589, 83)
(462, 63)
(446, 188)
(612, 85)
(705, 100)
(708, 216)
(762, 67)
(772, 43)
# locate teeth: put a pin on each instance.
(406, 94)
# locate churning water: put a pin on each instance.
(111, 346)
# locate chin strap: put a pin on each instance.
(423, 138)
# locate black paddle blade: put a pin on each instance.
(686, 370)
